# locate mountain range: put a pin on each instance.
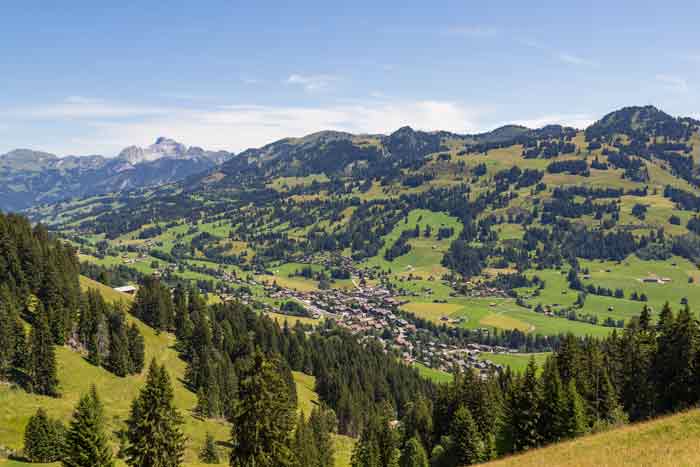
(30, 177)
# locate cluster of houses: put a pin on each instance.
(373, 314)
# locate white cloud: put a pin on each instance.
(575, 60)
(673, 82)
(311, 83)
(239, 127)
(563, 56)
(579, 121)
(79, 107)
(471, 31)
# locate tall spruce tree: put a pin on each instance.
(42, 359)
(137, 349)
(467, 444)
(154, 431)
(523, 416)
(554, 408)
(8, 338)
(87, 443)
(263, 417)
(576, 412)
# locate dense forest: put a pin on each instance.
(39, 285)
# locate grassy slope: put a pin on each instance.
(671, 441)
(306, 400)
(76, 375)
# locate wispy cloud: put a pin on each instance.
(249, 80)
(673, 82)
(311, 83)
(575, 60)
(471, 31)
(573, 120)
(238, 127)
(80, 107)
(566, 57)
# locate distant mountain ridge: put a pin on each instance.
(30, 177)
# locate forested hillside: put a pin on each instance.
(455, 298)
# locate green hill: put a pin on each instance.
(666, 442)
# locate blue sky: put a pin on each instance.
(82, 78)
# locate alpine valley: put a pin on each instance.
(405, 299)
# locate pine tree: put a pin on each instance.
(304, 445)
(684, 338)
(418, 421)
(413, 454)
(664, 364)
(263, 417)
(87, 443)
(554, 408)
(8, 318)
(153, 428)
(21, 353)
(367, 451)
(576, 412)
(42, 359)
(467, 444)
(523, 417)
(119, 361)
(323, 422)
(209, 453)
(137, 349)
(43, 438)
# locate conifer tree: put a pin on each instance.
(576, 412)
(684, 338)
(554, 409)
(42, 359)
(8, 318)
(21, 354)
(43, 438)
(413, 454)
(154, 427)
(664, 364)
(209, 453)
(367, 451)
(304, 444)
(119, 361)
(523, 417)
(467, 444)
(263, 417)
(87, 443)
(323, 422)
(418, 421)
(137, 349)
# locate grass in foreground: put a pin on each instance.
(667, 442)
